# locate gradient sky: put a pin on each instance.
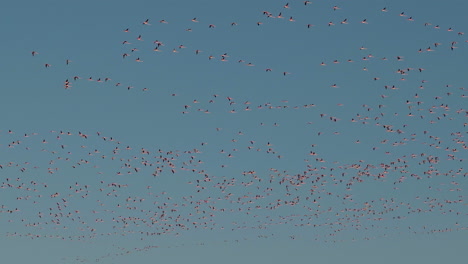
(369, 112)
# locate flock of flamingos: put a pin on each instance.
(114, 188)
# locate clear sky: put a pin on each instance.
(233, 131)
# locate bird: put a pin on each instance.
(243, 171)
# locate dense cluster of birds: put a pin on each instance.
(154, 192)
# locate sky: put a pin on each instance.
(235, 131)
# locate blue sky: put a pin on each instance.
(350, 147)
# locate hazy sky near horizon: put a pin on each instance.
(233, 131)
